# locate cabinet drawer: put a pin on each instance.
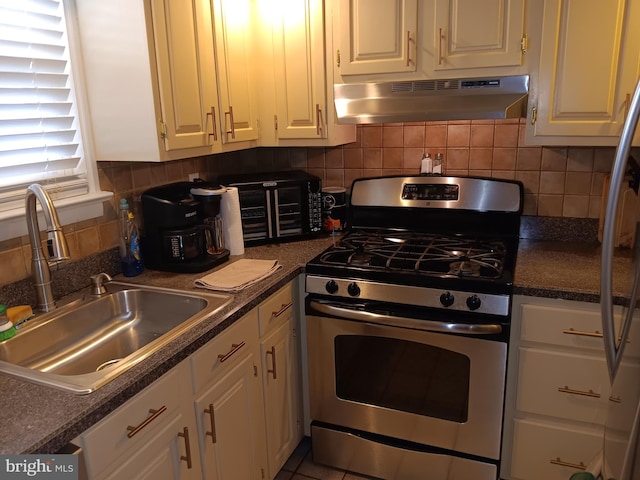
(221, 353)
(562, 326)
(536, 445)
(273, 309)
(579, 326)
(108, 441)
(543, 373)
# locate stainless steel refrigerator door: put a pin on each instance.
(623, 416)
(614, 344)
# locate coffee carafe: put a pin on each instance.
(182, 230)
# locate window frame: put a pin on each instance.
(82, 207)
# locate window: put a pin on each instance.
(40, 127)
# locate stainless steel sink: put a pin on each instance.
(90, 341)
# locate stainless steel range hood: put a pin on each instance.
(425, 100)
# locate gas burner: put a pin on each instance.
(424, 253)
(464, 268)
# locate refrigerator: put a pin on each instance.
(620, 459)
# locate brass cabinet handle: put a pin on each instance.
(590, 393)
(283, 308)
(578, 466)
(319, 120)
(234, 348)
(615, 399)
(154, 414)
(187, 446)
(627, 104)
(272, 352)
(440, 36)
(571, 331)
(233, 128)
(214, 127)
(534, 115)
(597, 334)
(212, 418)
(408, 48)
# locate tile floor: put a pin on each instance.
(300, 466)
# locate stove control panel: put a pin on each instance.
(430, 191)
(482, 303)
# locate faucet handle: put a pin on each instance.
(96, 283)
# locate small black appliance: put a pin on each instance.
(177, 236)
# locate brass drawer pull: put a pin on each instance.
(615, 399)
(571, 331)
(187, 446)
(154, 414)
(590, 393)
(234, 348)
(272, 352)
(283, 308)
(212, 433)
(577, 466)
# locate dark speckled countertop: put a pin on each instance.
(39, 419)
(567, 270)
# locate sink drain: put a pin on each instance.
(107, 364)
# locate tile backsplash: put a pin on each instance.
(558, 181)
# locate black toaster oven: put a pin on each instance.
(277, 206)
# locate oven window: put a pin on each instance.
(403, 375)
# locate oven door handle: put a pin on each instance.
(393, 320)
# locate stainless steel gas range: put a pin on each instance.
(408, 318)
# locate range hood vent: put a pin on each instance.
(425, 100)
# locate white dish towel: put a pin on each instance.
(238, 275)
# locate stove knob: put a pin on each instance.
(474, 302)
(446, 299)
(353, 289)
(331, 286)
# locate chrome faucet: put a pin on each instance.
(57, 247)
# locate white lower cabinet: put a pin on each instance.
(231, 411)
(281, 376)
(558, 389)
(228, 404)
(150, 436)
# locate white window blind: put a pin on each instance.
(40, 139)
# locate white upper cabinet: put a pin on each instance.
(473, 34)
(409, 40)
(377, 36)
(296, 96)
(588, 70)
(233, 29)
(298, 46)
(186, 73)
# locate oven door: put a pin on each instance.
(436, 389)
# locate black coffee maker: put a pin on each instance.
(179, 235)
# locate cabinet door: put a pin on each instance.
(230, 422)
(298, 44)
(280, 376)
(377, 36)
(186, 72)
(234, 59)
(163, 457)
(588, 66)
(472, 33)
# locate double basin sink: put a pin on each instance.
(88, 342)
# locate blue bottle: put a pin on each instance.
(130, 257)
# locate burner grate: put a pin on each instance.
(424, 253)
